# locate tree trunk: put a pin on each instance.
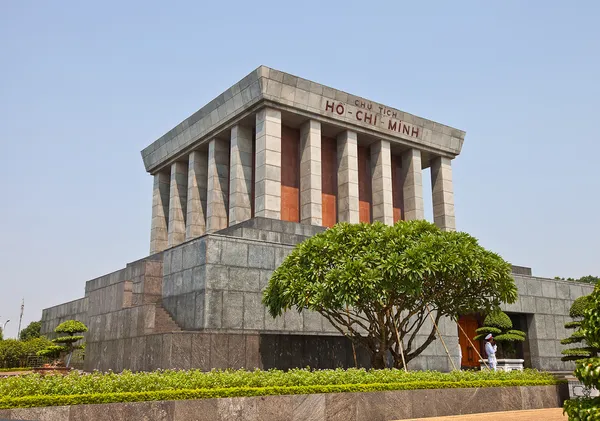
(398, 362)
(378, 360)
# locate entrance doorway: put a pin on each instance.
(469, 325)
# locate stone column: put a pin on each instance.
(177, 203)
(159, 237)
(443, 193)
(381, 182)
(196, 197)
(310, 174)
(240, 175)
(217, 185)
(268, 164)
(413, 185)
(347, 158)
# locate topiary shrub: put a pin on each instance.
(588, 369)
(52, 351)
(577, 311)
(500, 326)
(66, 344)
(579, 307)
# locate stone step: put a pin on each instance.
(163, 322)
(265, 229)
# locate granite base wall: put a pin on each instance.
(205, 351)
(370, 406)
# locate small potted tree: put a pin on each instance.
(500, 326)
(64, 345)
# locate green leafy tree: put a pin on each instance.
(376, 283)
(1, 334)
(588, 369)
(501, 327)
(31, 331)
(577, 312)
(66, 344)
(588, 279)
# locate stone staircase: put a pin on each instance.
(276, 231)
(163, 322)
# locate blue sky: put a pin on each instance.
(85, 87)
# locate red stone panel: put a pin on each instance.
(290, 174)
(329, 180)
(364, 184)
(397, 186)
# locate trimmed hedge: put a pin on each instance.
(185, 394)
(77, 388)
(96, 382)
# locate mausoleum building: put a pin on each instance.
(281, 147)
(270, 162)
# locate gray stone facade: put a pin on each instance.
(546, 304)
(199, 305)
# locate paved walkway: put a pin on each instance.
(553, 414)
(14, 373)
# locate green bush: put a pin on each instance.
(78, 388)
(583, 409)
(96, 382)
(32, 346)
(13, 353)
(183, 394)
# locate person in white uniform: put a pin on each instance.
(490, 350)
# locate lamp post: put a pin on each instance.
(4, 326)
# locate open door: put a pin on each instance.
(469, 325)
